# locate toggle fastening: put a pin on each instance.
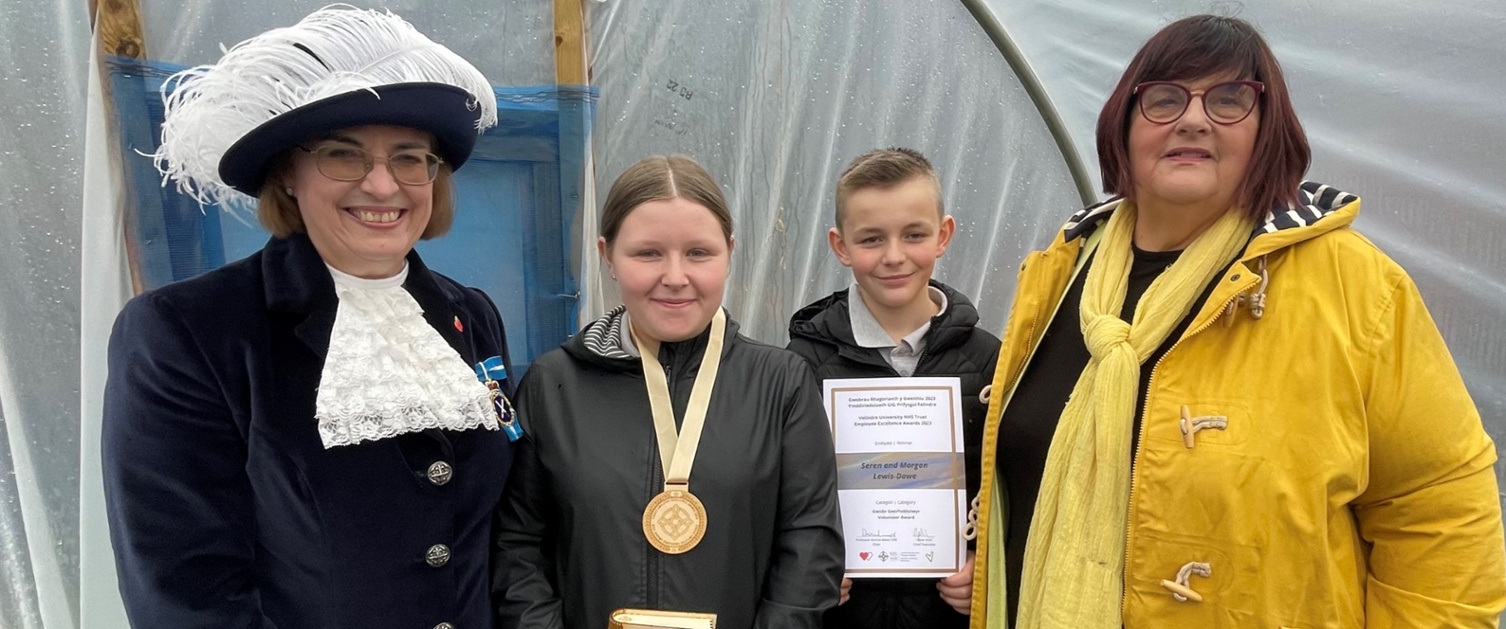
(1190, 425)
(1181, 589)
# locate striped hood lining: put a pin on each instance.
(603, 337)
(1317, 201)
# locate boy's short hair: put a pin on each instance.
(885, 168)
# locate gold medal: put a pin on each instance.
(674, 521)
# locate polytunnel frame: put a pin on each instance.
(1037, 92)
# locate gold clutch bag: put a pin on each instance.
(652, 619)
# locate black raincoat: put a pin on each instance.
(570, 545)
(955, 346)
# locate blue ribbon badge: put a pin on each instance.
(492, 372)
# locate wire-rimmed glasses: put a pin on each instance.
(349, 163)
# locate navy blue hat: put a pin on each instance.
(444, 110)
(340, 67)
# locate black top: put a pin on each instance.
(570, 545)
(1030, 420)
(821, 333)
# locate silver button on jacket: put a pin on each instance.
(440, 472)
(444, 625)
(438, 555)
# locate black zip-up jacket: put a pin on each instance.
(955, 346)
(570, 545)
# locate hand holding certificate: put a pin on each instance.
(900, 478)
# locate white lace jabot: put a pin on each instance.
(388, 372)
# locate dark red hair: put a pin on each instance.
(1198, 47)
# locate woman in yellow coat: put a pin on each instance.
(1217, 405)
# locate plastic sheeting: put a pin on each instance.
(41, 146)
(512, 43)
(776, 97)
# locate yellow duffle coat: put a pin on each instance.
(1339, 476)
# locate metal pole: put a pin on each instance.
(1037, 92)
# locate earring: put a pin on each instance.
(288, 190)
(614, 275)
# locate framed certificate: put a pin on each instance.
(901, 479)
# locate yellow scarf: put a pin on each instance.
(1074, 560)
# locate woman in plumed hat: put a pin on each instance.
(316, 435)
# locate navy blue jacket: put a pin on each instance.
(225, 509)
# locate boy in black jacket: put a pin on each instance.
(895, 321)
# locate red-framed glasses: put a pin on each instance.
(1164, 102)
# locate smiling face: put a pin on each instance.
(1192, 161)
(891, 237)
(365, 227)
(671, 260)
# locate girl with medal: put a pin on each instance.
(314, 436)
(668, 462)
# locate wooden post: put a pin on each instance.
(571, 68)
(570, 43)
(117, 25)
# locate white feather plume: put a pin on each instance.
(212, 106)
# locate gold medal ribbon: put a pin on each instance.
(675, 520)
(677, 448)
